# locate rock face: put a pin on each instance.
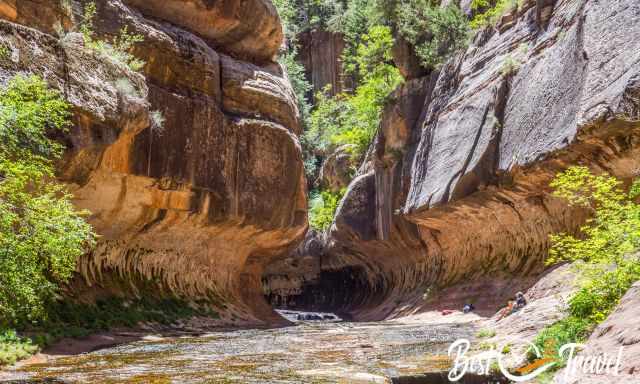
(620, 331)
(546, 303)
(194, 206)
(248, 29)
(320, 55)
(336, 170)
(454, 193)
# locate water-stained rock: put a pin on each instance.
(191, 199)
(467, 199)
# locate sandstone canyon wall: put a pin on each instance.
(452, 203)
(197, 205)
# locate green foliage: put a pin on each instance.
(354, 119)
(41, 233)
(510, 66)
(328, 119)
(358, 17)
(486, 333)
(374, 53)
(569, 330)
(119, 49)
(14, 348)
(435, 32)
(479, 5)
(602, 254)
(5, 51)
(494, 11)
(67, 319)
(322, 208)
(614, 230)
(301, 15)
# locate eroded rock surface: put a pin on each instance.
(248, 29)
(320, 54)
(454, 193)
(193, 206)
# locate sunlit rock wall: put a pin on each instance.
(196, 205)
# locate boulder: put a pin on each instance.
(263, 92)
(250, 30)
(337, 169)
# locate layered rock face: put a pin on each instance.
(452, 203)
(196, 204)
(320, 55)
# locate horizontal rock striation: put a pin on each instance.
(452, 202)
(196, 204)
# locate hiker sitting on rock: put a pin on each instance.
(520, 301)
(468, 308)
(513, 306)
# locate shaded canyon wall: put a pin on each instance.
(194, 206)
(452, 203)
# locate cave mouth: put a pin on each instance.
(338, 291)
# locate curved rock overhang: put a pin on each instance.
(452, 203)
(197, 205)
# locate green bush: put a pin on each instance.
(41, 233)
(569, 330)
(435, 32)
(322, 208)
(119, 49)
(486, 333)
(354, 119)
(493, 11)
(602, 254)
(14, 348)
(353, 23)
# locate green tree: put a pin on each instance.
(435, 32)
(41, 233)
(490, 11)
(354, 119)
(322, 208)
(603, 254)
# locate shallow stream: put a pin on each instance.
(308, 352)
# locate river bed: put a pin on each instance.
(308, 352)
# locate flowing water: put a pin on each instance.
(308, 352)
